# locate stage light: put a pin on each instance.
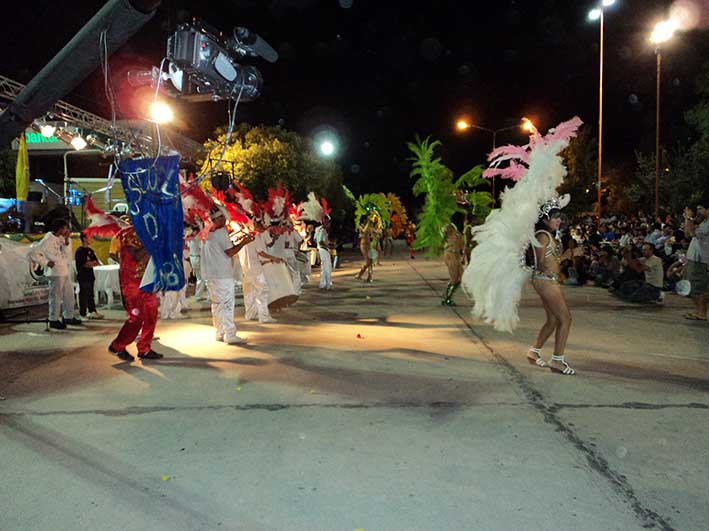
(48, 130)
(160, 112)
(78, 143)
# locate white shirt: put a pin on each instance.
(653, 275)
(279, 245)
(321, 238)
(194, 245)
(249, 258)
(216, 264)
(53, 248)
(292, 241)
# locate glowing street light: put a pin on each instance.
(528, 125)
(160, 112)
(662, 33)
(598, 14)
(327, 148)
(464, 125)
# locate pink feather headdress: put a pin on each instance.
(518, 156)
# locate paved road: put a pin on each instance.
(370, 407)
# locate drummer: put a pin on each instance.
(253, 256)
(216, 255)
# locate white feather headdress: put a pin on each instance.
(314, 210)
(496, 273)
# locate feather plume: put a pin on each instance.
(313, 210)
(496, 274)
(101, 225)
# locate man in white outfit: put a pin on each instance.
(194, 246)
(255, 287)
(322, 241)
(292, 241)
(217, 252)
(54, 254)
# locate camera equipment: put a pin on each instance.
(203, 64)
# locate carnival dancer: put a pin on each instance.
(453, 258)
(194, 246)
(319, 212)
(253, 256)
(141, 306)
(367, 237)
(545, 259)
(216, 254)
(292, 241)
(409, 237)
(497, 272)
(53, 253)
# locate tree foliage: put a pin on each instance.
(260, 157)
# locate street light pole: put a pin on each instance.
(658, 53)
(600, 125)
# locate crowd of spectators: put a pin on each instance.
(638, 257)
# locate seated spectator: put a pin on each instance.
(648, 288)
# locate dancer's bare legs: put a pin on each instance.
(556, 307)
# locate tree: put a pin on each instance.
(260, 157)
(581, 161)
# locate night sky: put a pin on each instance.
(380, 72)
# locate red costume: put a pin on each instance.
(141, 306)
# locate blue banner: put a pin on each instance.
(152, 189)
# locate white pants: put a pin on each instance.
(325, 269)
(170, 304)
(294, 271)
(201, 284)
(61, 298)
(221, 295)
(256, 298)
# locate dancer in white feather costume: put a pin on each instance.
(497, 272)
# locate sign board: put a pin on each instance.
(38, 142)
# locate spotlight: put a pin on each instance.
(48, 130)
(160, 112)
(78, 143)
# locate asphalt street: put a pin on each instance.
(370, 407)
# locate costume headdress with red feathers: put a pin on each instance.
(101, 225)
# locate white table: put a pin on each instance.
(107, 280)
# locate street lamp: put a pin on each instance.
(663, 32)
(464, 125)
(597, 13)
(327, 148)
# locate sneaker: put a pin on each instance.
(235, 340)
(122, 354)
(57, 325)
(267, 320)
(150, 355)
(95, 315)
(72, 321)
(219, 338)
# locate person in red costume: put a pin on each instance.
(141, 306)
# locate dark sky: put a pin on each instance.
(379, 72)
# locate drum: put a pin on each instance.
(281, 292)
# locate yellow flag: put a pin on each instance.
(22, 170)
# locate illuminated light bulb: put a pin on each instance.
(48, 130)
(78, 143)
(160, 112)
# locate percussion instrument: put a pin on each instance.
(281, 292)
